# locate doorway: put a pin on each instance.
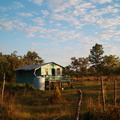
(53, 72)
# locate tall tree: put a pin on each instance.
(96, 57)
(32, 58)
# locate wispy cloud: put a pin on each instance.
(102, 1)
(37, 2)
(14, 5)
(3, 8)
(17, 5)
(39, 21)
(110, 49)
(108, 22)
(25, 14)
(10, 25)
(108, 34)
(45, 13)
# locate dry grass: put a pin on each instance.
(32, 104)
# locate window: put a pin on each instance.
(58, 71)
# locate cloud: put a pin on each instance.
(117, 38)
(25, 14)
(101, 1)
(34, 44)
(108, 34)
(35, 29)
(84, 5)
(111, 49)
(61, 5)
(3, 8)
(45, 13)
(10, 25)
(16, 5)
(108, 22)
(58, 24)
(39, 21)
(38, 2)
(30, 35)
(68, 18)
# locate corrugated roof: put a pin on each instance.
(33, 67)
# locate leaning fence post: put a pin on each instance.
(78, 105)
(103, 94)
(115, 92)
(3, 87)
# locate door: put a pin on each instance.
(53, 72)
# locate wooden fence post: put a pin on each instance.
(115, 92)
(103, 94)
(3, 87)
(78, 105)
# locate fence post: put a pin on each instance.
(3, 87)
(115, 92)
(78, 105)
(103, 94)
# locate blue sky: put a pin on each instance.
(59, 29)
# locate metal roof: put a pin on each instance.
(33, 67)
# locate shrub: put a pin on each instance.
(111, 113)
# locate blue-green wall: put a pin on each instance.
(26, 76)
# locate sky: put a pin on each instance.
(59, 29)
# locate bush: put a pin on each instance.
(111, 113)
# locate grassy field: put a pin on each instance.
(31, 104)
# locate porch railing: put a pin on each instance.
(58, 78)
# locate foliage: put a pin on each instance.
(111, 113)
(96, 57)
(10, 62)
(32, 58)
(110, 64)
(78, 67)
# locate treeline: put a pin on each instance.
(10, 62)
(96, 64)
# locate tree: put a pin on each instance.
(110, 64)
(96, 57)
(32, 58)
(78, 67)
(4, 65)
(8, 63)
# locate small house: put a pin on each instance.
(27, 73)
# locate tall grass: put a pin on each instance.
(32, 104)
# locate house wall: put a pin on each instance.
(26, 76)
(49, 67)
